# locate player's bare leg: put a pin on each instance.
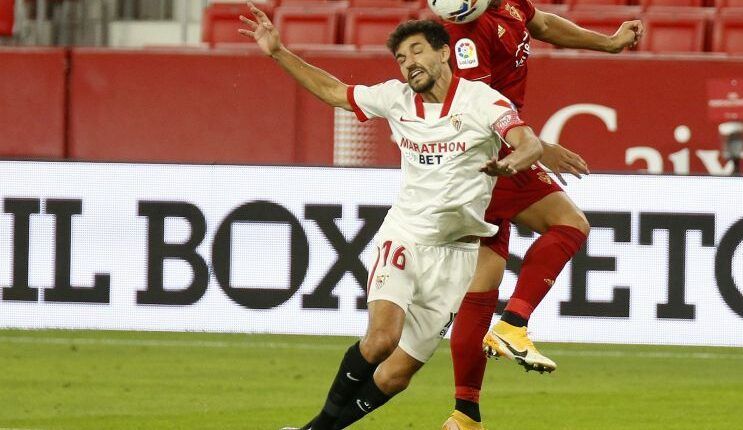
(489, 273)
(563, 228)
(360, 361)
(553, 210)
(395, 373)
(392, 376)
(383, 333)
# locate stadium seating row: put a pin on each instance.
(421, 4)
(358, 24)
(6, 17)
(670, 30)
(648, 3)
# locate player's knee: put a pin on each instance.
(576, 219)
(581, 222)
(484, 284)
(495, 282)
(489, 273)
(378, 345)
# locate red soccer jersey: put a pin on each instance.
(494, 48)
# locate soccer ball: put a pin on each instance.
(458, 11)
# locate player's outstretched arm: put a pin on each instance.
(527, 150)
(319, 82)
(559, 31)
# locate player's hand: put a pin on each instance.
(627, 36)
(495, 167)
(262, 30)
(558, 160)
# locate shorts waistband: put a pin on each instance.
(468, 239)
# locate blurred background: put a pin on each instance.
(159, 176)
(172, 80)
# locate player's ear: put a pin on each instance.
(445, 54)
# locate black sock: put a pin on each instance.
(309, 425)
(514, 319)
(369, 398)
(471, 409)
(354, 371)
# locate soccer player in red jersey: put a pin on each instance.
(494, 49)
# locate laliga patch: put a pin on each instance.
(506, 122)
(466, 53)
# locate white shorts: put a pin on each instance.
(427, 282)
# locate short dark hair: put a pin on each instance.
(433, 31)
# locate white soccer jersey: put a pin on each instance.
(443, 145)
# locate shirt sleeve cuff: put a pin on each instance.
(355, 107)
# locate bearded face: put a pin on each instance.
(419, 63)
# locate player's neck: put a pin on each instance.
(440, 89)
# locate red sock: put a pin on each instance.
(542, 263)
(470, 326)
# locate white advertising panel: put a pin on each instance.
(285, 250)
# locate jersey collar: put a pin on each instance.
(421, 113)
(450, 96)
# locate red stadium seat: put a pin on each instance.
(729, 4)
(427, 13)
(307, 25)
(379, 3)
(220, 22)
(672, 3)
(574, 3)
(729, 32)
(303, 2)
(557, 9)
(308, 3)
(674, 31)
(337, 5)
(370, 26)
(412, 6)
(605, 20)
(7, 11)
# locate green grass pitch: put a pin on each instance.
(95, 380)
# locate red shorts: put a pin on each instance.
(512, 195)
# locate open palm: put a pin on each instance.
(261, 30)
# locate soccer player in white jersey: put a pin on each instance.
(449, 131)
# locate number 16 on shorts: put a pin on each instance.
(390, 258)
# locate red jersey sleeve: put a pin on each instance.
(528, 7)
(471, 49)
